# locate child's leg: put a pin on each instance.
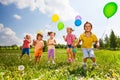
(49, 52)
(85, 55)
(39, 59)
(28, 52)
(84, 60)
(93, 60)
(23, 52)
(92, 55)
(21, 56)
(68, 53)
(53, 54)
(35, 59)
(73, 56)
(71, 53)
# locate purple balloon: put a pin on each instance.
(78, 17)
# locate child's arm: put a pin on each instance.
(54, 42)
(42, 45)
(34, 42)
(48, 42)
(97, 44)
(78, 42)
(64, 38)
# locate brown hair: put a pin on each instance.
(87, 23)
(39, 35)
(51, 33)
(70, 28)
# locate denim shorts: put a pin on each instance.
(69, 46)
(88, 52)
(26, 50)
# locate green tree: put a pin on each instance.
(118, 42)
(45, 46)
(101, 43)
(107, 42)
(113, 40)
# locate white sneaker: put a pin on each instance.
(94, 64)
(84, 66)
(48, 62)
(53, 62)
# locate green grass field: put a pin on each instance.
(108, 66)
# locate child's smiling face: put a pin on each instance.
(69, 30)
(52, 35)
(27, 37)
(39, 37)
(88, 28)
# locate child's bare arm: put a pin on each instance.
(48, 42)
(78, 42)
(97, 44)
(64, 38)
(34, 42)
(42, 45)
(54, 42)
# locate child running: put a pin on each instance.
(39, 45)
(88, 38)
(26, 46)
(51, 46)
(74, 45)
(69, 39)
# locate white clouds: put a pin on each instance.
(7, 2)
(16, 16)
(60, 7)
(21, 4)
(8, 37)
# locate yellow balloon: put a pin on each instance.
(55, 18)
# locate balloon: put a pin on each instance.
(78, 22)
(60, 26)
(55, 18)
(78, 17)
(110, 9)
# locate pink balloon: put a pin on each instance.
(78, 17)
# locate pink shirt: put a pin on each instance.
(26, 44)
(69, 39)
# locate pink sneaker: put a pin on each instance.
(70, 60)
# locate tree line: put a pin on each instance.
(111, 42)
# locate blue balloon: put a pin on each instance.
(78, 22)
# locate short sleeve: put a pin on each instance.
(73, 37)
(95, 38)
(80, 38)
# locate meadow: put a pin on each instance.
(108, 66)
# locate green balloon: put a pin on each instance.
(60, 26)
(110, 9)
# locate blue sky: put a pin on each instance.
(20, 17)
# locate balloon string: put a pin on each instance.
(103, 34)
